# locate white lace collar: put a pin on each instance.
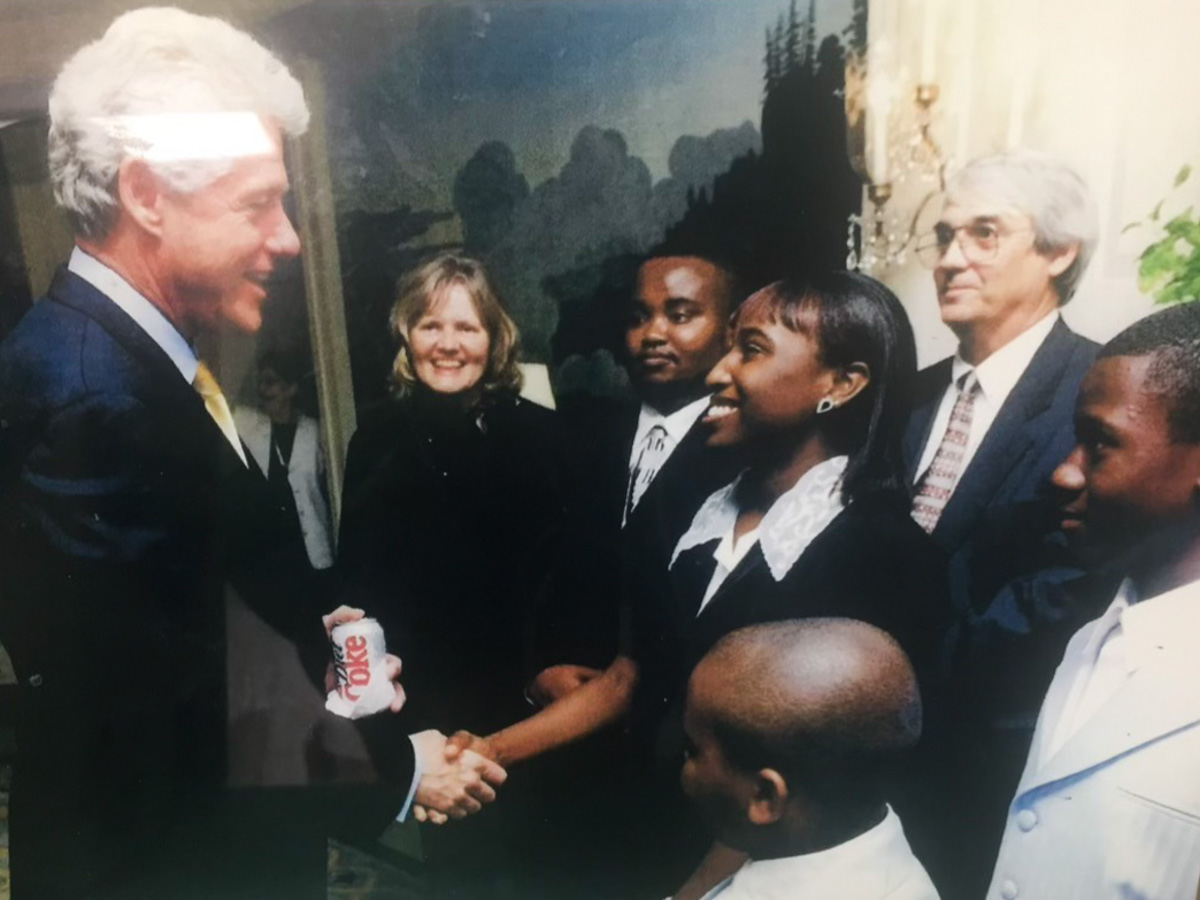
(789, 526)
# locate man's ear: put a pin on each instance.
(1061, 260)
(849, 382)
(770, 798)
(141, 195)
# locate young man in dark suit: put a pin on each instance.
(643, 469)
(128, 502)
(988, 428)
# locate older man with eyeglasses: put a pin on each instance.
(989, 426)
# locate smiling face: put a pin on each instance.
(1001, 296)
(769, 383)
(218, 246)
(677, 330)
(1127, 483)
(449, 344)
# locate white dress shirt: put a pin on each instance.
(789, 526)
(1105, 668)
(876, 865)
(997, 375)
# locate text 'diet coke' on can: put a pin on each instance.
(359, 654)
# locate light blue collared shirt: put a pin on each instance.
(148, 316)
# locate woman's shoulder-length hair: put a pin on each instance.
(857, 319)
(420, 289)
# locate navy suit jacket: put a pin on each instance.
(124, 515)
(1000, 531)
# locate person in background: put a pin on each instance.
(989, 425)
(789, 731)
(1109, 803)
(129, 506)
(286, 444)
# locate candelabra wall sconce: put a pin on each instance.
(893, 117)
(911, 169)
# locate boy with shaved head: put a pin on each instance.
(790, 730)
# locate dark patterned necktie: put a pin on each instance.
(936, 484)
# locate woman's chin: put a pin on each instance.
(721, 435)
(449, 386)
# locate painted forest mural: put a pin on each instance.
(561, 228)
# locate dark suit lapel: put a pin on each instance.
(690, 576)
(625, 435)
(71, 290)
(916, 434)
(750, 564)
(164, 386)
(1009, 438)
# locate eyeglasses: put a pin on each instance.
(978, 241)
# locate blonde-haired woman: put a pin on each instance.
(452, 502)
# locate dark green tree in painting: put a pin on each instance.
(786, 210)
(487, 192)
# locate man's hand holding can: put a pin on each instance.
(363, 678)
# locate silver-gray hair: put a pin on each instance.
(1050, 192)
(156, 62)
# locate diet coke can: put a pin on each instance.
(358, 652)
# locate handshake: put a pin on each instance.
(458, 776)
(456, 779)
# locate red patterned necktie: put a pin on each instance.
(936, 484)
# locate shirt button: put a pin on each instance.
(1008, 889)
(1027, 820)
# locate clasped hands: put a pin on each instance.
(549, 687)
(462, 749)
(456, 780)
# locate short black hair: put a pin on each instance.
(1172, 338)
(831, 704)
(712, 250)
(858, 320)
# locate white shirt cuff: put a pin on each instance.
(412, 791)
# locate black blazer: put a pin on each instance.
(871, 563)
(449, 531)
(125, 513)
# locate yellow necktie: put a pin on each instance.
(214, 401)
